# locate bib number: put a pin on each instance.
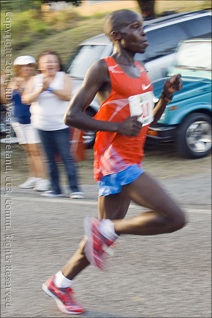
(142, 105)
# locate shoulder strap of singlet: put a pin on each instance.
(111, 62)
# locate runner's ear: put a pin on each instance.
(115, 35)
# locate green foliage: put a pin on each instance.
(99, 15)
(31, 25)
(26, 27)
(61, 20)
(20, 5)
(64, 42)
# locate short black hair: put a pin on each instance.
(117, 19)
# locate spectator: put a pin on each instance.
(49, 93)
(24, 68)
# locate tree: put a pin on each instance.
(147, 8)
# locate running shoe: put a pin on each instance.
(64, 297)
(96, 244)
(29, 183)
(52, 194)
(77, 195)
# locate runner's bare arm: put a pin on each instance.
(171, 86)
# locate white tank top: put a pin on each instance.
(47, 112)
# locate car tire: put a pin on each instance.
(194, 136)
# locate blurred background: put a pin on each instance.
(61, 25)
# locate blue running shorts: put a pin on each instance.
(112, 183)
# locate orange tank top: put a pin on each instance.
(114, 152)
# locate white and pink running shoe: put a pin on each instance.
(64, 297)
(96, 244)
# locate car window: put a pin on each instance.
(194, 55)
(198, 27)
(83, 59)
(164, 41)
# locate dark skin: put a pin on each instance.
(165, 216)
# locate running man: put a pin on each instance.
(125, 94)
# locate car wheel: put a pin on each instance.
(194, 136)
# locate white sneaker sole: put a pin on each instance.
(53, 196)
(26, 187)
(78, 195)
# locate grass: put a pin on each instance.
(30, 34)
(64, 42)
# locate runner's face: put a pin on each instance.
(133, 36)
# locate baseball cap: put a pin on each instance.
(24, 60)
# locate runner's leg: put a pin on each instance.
(114, 206)
(111, 207)
(165, 216)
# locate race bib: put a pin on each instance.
(142, 105)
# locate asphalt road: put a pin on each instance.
(158, 276)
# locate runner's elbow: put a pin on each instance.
(68, 119)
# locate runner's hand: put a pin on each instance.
(130, 127)
(173, 85)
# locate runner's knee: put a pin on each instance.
(178, 222)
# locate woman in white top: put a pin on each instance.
(49, 93)
(24, 68)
